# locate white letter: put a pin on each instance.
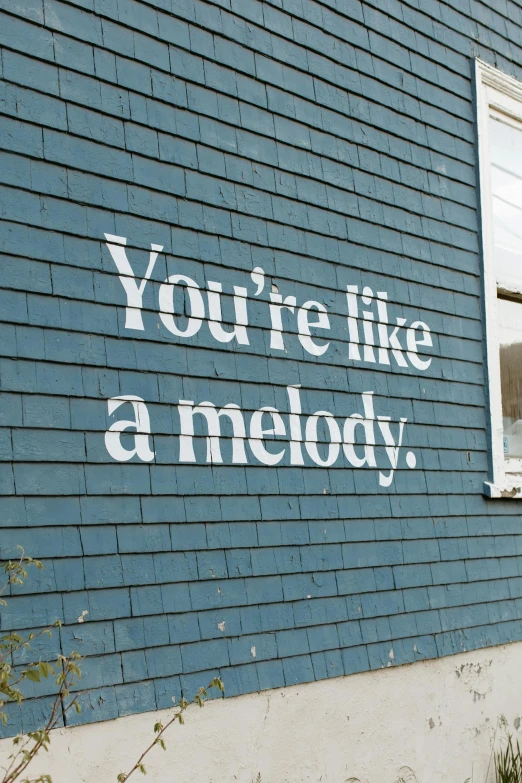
(391, 450)
(116, 245)
(296, 454)
(257, 434)
(141, 424)
(311, 438)
(276, 332)
(369, 341)
(214, 310)
(166, 303)
(353, 331)
(303, 326)
(258, 278)
(349, 434)
(389, 340)
(187, 411)
(417, 362)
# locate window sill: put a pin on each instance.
(508, 490)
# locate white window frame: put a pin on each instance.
(496, 94)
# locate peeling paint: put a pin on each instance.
(511, 493)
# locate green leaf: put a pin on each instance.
(33, 675)
(45, 669)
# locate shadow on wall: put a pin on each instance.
(405, 775)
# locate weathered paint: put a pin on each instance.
(317, 152)
(429, 721)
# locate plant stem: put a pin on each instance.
(160, 731)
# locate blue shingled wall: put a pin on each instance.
(329, 143)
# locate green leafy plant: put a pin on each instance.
(65, 670)
(160, 728)
(508, 762)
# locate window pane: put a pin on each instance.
(509, 316)
(506, 183)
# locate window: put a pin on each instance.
(499, 106)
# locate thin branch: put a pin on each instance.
(160, 730)
(15, 569)
(23, 756)
(20, 642)
(27, 747)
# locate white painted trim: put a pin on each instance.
(495, 93)
(504, 490)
